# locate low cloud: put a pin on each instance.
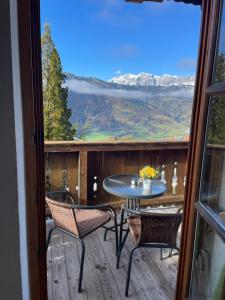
(84, 87)
(186, 64)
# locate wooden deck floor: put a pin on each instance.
(151, 278)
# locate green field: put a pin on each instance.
(138, 134)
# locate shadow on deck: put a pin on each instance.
(151, 278)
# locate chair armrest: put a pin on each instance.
(131, 211)
(104, 207)
(149, 213)
(100, 206)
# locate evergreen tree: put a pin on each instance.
(216, 126)
(47, 46)
(56, 112)
(220, 68)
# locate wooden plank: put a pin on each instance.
(161, 274)
(82, 178)
(49, 268)
(103, 271)
(56, 165)
(73, 267)
(71, 164)
(158, 277)
(112, 163)
(119, 275)
(141, 276)
(91, 279)
(132, 162)
(77, 146)
(59, 273)
(93, 170)
(150, 277)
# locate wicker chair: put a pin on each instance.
(153, 230)
(78, 221)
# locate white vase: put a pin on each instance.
(147, 184)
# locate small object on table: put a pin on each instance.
(147, 174)
(135, 181)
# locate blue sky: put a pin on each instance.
(103, 38)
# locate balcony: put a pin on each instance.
(77, 166)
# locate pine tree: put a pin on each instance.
(56, 112)
(216, 131)
(47, 46)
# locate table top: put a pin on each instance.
(120, 185)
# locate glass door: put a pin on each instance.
(208, 267)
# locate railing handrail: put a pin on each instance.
(76, 146)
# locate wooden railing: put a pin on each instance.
(82, 167)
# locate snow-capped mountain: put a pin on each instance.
(146, 79)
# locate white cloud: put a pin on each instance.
(84, 87)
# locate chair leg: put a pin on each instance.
(105, 234)
(49, 237)
(161, 254)
(122, 243)
(81, 265)
(116, 235)
(121, 226)
(128, 271)
(113, 228)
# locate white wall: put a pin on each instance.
(13, 245)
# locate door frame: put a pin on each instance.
(31, 81)
(210, 17)
(32, 110)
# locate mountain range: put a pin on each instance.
(146, 79)
(131, 107)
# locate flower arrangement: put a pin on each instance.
(148, 172)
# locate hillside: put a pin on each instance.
(108, 110)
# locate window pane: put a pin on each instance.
(219, 68)
(208, 269)
(212, 189)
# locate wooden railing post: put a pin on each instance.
(82, 177)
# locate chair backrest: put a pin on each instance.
(61, 196)
(63, 215)
(160, 228)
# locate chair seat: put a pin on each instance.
(135, 227)
(134, 223)
(90, 219)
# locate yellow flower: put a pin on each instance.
(148, 172)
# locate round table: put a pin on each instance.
(120, 186)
